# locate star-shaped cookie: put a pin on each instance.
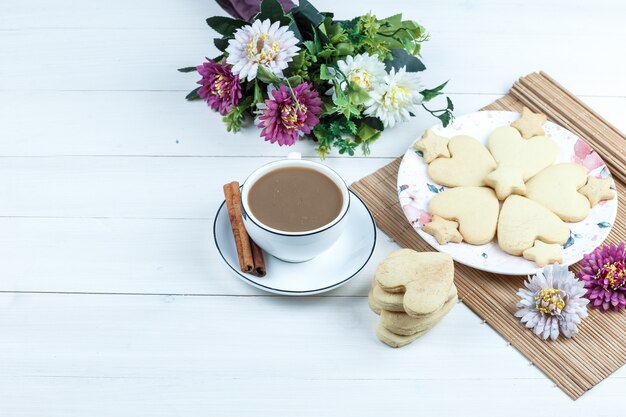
(443, 230)
(432, 146)
(544, 253)
(597, 189)
(506, 180)
(530, 124)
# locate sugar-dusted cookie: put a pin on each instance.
(556, 187)
(425, 279)
(530, 124)
(597, 189)
(432, 146)
(469, 163)
(522, 221)
(403, 324)
(544, 253)
(474, 208)
(506, 180)
(530, 155)
(443, 230)
(396, 340)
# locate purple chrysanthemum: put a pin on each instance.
(289, 113)
(219, 87)
(604, 274)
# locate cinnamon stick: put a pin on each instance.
(250, 255)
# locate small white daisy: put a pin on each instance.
(395, 98)
(262, 43)
(364, 70)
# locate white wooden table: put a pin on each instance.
(113, 298)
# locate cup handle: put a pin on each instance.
(294, 155)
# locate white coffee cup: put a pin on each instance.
(294, 246)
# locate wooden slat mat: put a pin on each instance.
(577, 364)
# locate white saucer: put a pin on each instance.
(330, 270)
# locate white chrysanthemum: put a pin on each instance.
(553, 300)
(364, 70)
(262, 43)
(395, 98)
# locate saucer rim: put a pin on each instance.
(255, 284)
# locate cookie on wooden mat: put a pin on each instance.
(469, 163)
(522, 221)
(425, 278)
(432, 146)
(530, 155)
(556, 188)
(474, 208)
(597, 189)
(403, 324)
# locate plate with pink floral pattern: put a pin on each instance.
(415, 189)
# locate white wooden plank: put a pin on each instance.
(68, 355)
(146, 59)
(129, 256)
(184, 396)
(158, 123)
(163, 123)
(134, 187)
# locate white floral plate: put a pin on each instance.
(415, 189)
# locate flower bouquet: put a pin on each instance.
(299, 72)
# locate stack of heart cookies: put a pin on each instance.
(411, 291)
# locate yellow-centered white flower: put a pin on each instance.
(364, 70)
(262, 43)
(395, 98)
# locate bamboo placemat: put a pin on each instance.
(577, 364)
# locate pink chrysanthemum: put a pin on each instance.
(219, 86)
(604, 274)
(289, 113)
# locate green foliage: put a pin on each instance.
(225, 26)
(323, 42)
(193, 94)
(236, 116)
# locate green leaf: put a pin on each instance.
(450, 105)
(432, 93)
(401, 58)
(293, 26)
(295, 80)
(272, 10)
(367, 133)
(373, 122)
(357, 95)
(193, 95)
(327, 73)
(307, 10)
(221, 43)
(265, 75)
(188, 69)
(225, 26)
(258, 94)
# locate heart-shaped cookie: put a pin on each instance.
(556, 188)
(475, 209)
(530, 155)
(522, 221)
(469, 163)
(425, 279)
